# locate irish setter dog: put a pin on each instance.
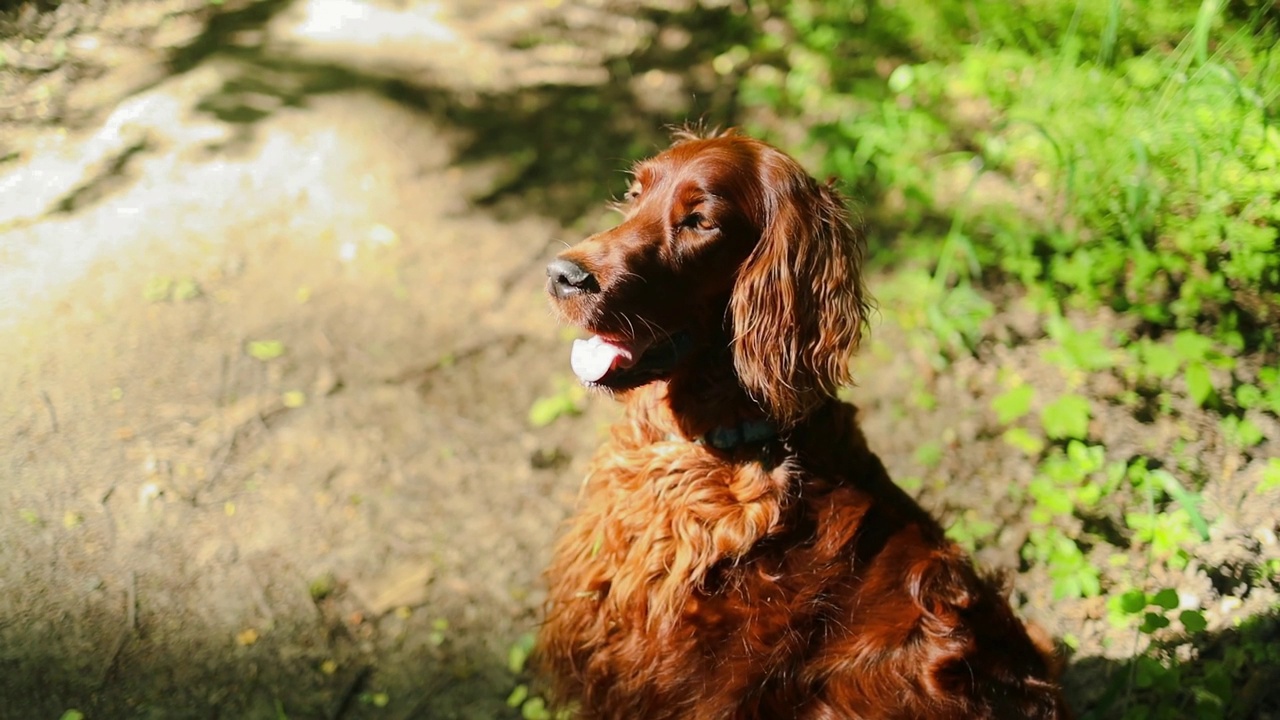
(739, 552)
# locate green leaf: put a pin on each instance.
(157, 289)
(1050, 497)
(901, 78)
(1193, 621)
(1166, 598)
(518, 696)
(547, 410)
(1242, 431)
(1066, 417)
(924, 400)
(1088, 495)
(1248, 396)
(72, 715)
(518, 654)
(1090, 582)
(265, 350)
(1085, 458)
(1188, 500)
(929, 454)
(1139, 522)
(1192, 346)
(322, 586)
(1199, 385)
(535, 709)
(1270, 475)
(1146, 671)
(1022, 439)
(186, 290)
(1133, 602)
(1158, 360)
(1081, 350)
(1013, 404)
(1152, 622)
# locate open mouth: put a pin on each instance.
(625, 363)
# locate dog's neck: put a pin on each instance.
(702, 401)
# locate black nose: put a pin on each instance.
(565, 278)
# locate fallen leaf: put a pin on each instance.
(157, 289)
(265, 350)
(185, 290)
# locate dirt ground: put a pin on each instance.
(271, 326)
(269, 349)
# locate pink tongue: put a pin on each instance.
(593, 358)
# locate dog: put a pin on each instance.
(739, 553)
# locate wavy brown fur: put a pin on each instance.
(785, 579)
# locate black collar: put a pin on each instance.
(751, 432)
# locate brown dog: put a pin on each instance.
(739, 552)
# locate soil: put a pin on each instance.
(272, 324)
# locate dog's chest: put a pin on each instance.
(671, 572)
(675, 509)
(663, 539)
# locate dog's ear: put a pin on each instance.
(798, 304)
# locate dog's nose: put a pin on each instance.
(567, 277)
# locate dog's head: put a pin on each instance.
(723, 237)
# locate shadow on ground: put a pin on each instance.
(1239, 664)
(563, 147)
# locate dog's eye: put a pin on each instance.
(697, 221)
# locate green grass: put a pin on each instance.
(1137, 168)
